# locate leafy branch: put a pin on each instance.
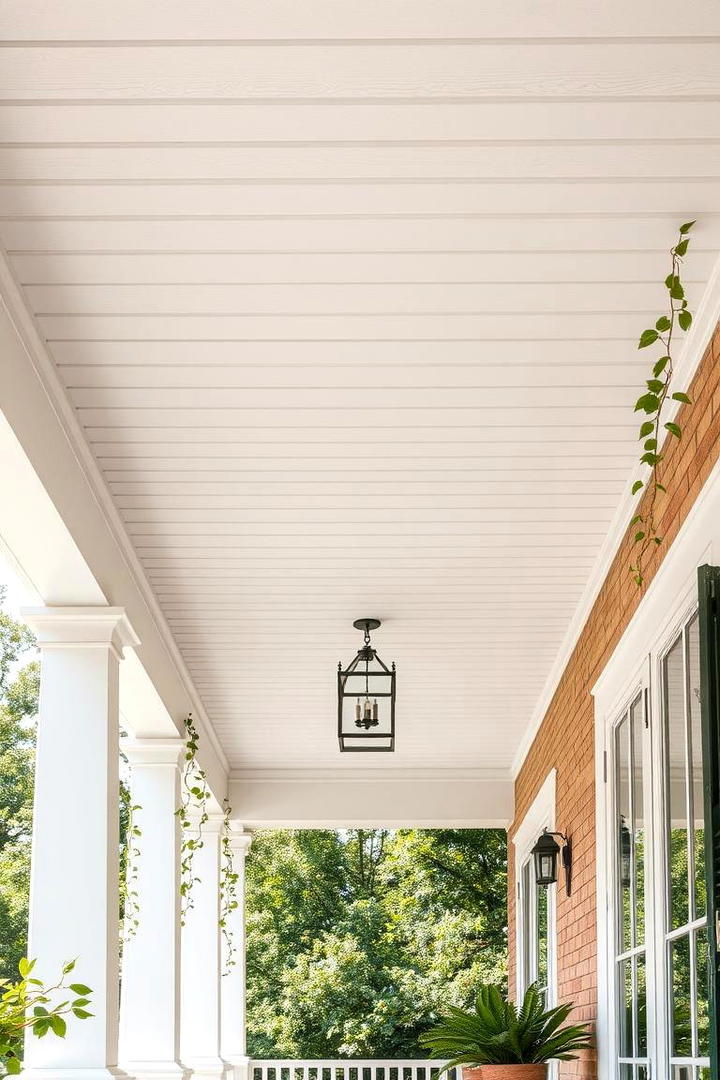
(28, 1003)
(193, 815)
(228, 888)
(653, 401)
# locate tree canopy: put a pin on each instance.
(19, 688)
(356, 939)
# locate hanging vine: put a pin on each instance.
(130, 834)
(193, 815)
(228, 888)
(653, 402)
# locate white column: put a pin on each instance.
(233, 1040)
(201, 973)
(150, 1000)
(74, 882)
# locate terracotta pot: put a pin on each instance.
(506, 1072)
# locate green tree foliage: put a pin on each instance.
(19, 688)
(356, 940)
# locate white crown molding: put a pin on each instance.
(694, 345)
(153, 751)
(86, 627)
(370, 775)
(44, 368)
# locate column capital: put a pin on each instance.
(240, 841)
(86, 627)
(214, 824)
(153, 751)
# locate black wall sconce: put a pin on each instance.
(545, 856)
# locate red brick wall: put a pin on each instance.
(565, 740)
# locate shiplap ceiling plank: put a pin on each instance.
(293, 123)
(479, 234)
(370, 70)
(346, 298)
(178, 20)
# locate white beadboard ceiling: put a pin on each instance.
(345, 294)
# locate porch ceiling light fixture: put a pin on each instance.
(545, 855)
(366, 699)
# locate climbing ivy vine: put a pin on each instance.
(193, 815)
(653, 402)
(228, 887)
(130, 834)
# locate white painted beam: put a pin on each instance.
(372, 798)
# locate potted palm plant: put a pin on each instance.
(499, 1041)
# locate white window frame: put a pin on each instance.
(540, 815)
(636, 664)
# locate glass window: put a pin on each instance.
(686, 933)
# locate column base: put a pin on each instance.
(207, 1068)
(156, 1070)
(239, 1068)
(76, 1073)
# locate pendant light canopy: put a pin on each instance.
(366, 699)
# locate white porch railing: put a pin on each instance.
(350, 1069)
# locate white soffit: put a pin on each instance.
(345, 297)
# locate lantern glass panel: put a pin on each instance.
(545, 868)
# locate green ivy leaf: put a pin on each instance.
(651, 444)
(685, 320)
(660, 365)
(639, 536)
(646, 429)
(649, 403)
(686, 227)
(681, 247)
(81, 989)
(677, 292)
(673, 429)
(655, 385)
(636, 486)
(663, 323)
(58, 1025)
(648, 337)
(680, 396)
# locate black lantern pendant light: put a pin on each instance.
(366, 699)
(545, 855)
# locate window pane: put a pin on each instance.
(625, 978)
(641, 1007)
(626, 1071)
(677, 791)
(703, 1015)
(681, 1013)
(693, 650)
(624, 835)
(637, 722)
